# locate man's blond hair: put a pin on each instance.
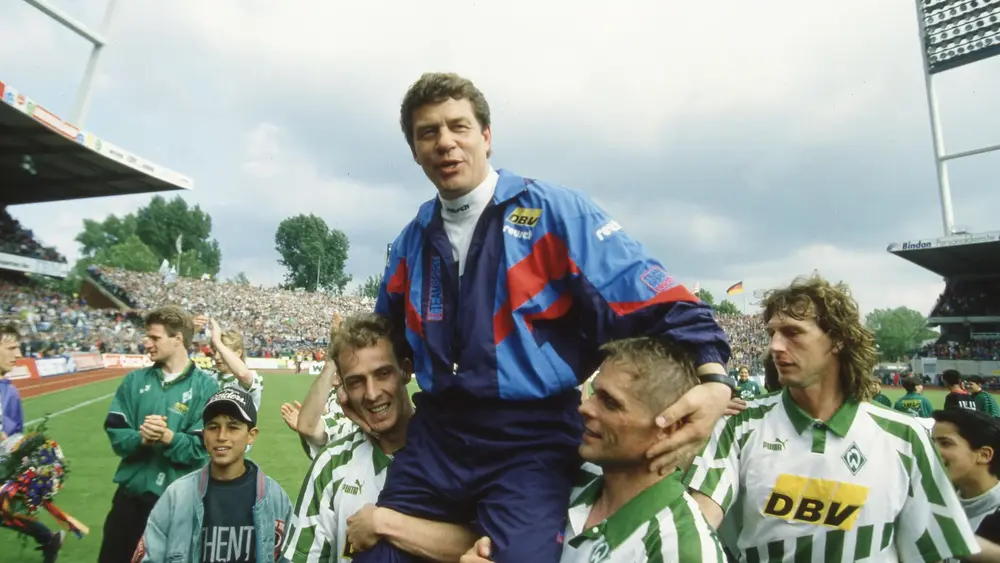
(358, 332)
(661, 371)
(233, 340)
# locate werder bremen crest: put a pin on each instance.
(601, 551)
(854, 459)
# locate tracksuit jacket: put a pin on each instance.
(150, 469)
(549, 278)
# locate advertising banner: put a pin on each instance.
(33, 265)
(127, 361)
(24, 368)
(86, 361)
(47, 367)
(263, 363)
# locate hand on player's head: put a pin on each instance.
(699, 410)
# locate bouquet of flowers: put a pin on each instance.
(32, 471)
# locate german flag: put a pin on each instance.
(735, 289)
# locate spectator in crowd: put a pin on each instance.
(746, 388)
(958, 397)
(913, 402)
(969, 297)
(243, 514)
(11, 424)
(747, 337)
(969, 444)
(277, 322)
(984, 401)
(155, 426)
(53, 324)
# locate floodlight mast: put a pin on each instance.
(976, 48)
(97, 39)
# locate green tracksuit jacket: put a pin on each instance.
(150, 469)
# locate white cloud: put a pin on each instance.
(619, 77)
(631, 66)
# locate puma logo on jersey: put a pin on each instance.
(775, 446)
(354, 489)
(816, 501)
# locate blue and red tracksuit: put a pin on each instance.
(548, 279)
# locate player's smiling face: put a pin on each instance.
(803, 353)
(451, 146)
(744, 374)
(375, 385)
(618, 426)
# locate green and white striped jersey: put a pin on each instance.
(348, 474)
(662, 524)
(229, 381)
(334, 421)
(865, 486)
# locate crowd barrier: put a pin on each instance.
(31, 368)
(127, 361)
(74, 362)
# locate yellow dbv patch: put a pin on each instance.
(525, 216)
(816, 501)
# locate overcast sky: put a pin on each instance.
(738, 140)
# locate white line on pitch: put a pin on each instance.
(70, 409)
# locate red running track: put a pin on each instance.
(35, 387)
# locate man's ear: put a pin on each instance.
(985, 455)
(253, 434)
(407, 366)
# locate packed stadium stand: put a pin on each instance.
(968, 310)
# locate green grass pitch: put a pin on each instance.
(88, 490)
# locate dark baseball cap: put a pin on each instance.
(234, 402)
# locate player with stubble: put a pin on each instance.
(155, 426)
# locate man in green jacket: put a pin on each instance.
(155, 425)
(984, 401)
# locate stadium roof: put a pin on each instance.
(44, 158)
(973, 254)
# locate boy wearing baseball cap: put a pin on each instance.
(228, 512)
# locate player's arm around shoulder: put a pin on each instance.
(695, 540)
(713, 478)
